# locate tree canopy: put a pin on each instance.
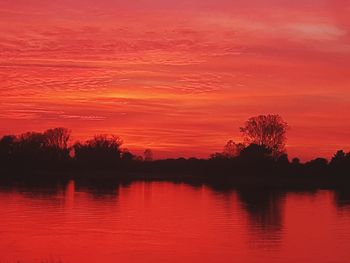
(266, 130)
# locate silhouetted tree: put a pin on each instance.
(7, 145)
(29, 149)
(255, 152)
(36, 150)
(338, 158)
(50, 149)
(268, 131)
(232, 149)
(318, 166)
(126, 155)
(340, 163)
(148, 155)
(56, 143)
(57, 138)
(283, 159)
(101, 150)
(31, 140)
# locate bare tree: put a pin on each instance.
(57, 138)
(266, 130)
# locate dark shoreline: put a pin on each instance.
(98, 177)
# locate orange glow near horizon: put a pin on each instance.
(179, 77)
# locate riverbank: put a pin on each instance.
(97, 177)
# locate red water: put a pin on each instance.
(166, 222)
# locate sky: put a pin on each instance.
(179, 77)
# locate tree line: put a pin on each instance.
(262, 150)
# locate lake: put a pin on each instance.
(171, 222)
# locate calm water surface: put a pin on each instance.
(167, 222)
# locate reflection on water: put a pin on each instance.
(168, 222)
(342, 197)
(265, 213)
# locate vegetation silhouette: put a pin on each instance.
(261, 159)
(268, 131)
(102, 151)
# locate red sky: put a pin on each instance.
(179, 77)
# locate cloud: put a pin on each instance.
(315, 31)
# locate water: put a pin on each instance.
(168, 222)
